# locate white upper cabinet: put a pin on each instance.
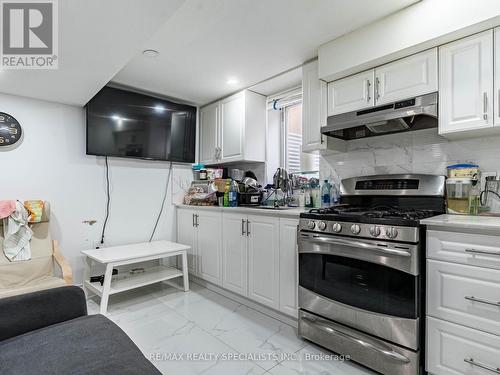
(496, 73)
(351, 93)
(234, 129)
(466, 84)
(402, 79)
(405, 78)
(209, 118)
(314, 106)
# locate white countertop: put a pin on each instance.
(133, 251)
(488, 223)
(288, 212)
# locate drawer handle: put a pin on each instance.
(482, 252)
(482, 365)
(480, 300)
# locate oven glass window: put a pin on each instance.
(360, 284)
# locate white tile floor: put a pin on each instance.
(164, 322)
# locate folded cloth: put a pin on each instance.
(17, 235)
(35, 208)
(6, 208)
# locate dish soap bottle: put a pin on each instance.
(226, 193)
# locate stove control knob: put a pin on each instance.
(375, 231)
(337, 227)
(311, 225)
(322, 225)
(391, 232)
(355, 229)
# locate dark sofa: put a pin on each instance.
(49, 332)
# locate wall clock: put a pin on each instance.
(10, 131)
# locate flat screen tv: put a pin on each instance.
(127, 124)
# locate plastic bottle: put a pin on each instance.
(334, 195)
(308, 197)
(233, 194)
(226, 193)
(325, 194)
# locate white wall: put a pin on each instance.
(423, 25)
(51, 165)
(413, 152)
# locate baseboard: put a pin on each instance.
(245, 301)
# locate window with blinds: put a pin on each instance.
(295, 160)
(289, 105)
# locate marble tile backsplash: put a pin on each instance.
(413, 152)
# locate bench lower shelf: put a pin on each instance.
(149, 276)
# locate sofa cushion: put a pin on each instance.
(40, 265)
(46, 282)
(86, 345)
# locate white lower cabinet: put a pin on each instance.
(453, 349)
(186, 235)
(465, 295)
(263, 260)
(209, 227)
(288, 266)
(463, 303)
(466, 248)
(234, 254)
(202, 231)
(254, 256)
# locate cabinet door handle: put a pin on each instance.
(482, 252)
(480, 300)
(377, 88)
(472, 362)
(368, 90)
(248, 228)
(194, 221)
(485, 106)
(243, 227)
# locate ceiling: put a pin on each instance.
(202, 44)
(206, 43)
(96, 39)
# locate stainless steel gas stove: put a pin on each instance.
(362, 270)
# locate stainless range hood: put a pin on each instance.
(417, 113)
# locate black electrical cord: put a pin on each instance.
(107, 200)
(162, 203)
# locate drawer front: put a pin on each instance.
(472, 249)
(464, 294)
(454, 349)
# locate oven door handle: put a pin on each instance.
(369, 344)
(354, 243)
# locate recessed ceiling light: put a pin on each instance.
(150, 52)
(232, 81)
(159, 108)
